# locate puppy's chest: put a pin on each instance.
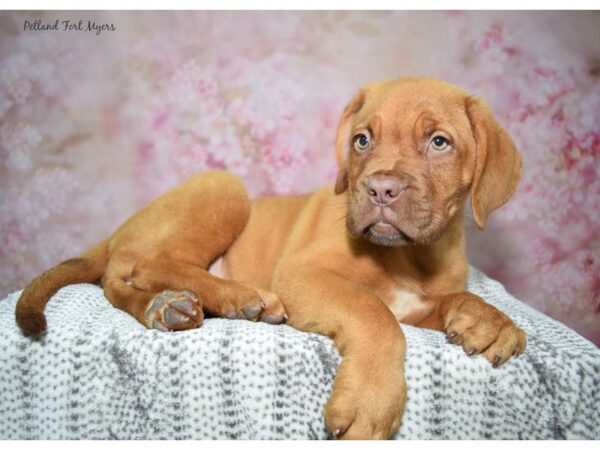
(403, 293)
(408, 306)
(406, 299)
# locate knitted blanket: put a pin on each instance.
(98, 374)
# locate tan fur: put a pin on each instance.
(334, 262)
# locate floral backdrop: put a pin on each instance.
(95, 124)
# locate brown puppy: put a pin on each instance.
(409, 152)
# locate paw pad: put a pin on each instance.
(175, 310)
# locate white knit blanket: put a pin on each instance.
(99, 374)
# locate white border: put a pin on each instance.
(300, 4)
(296, 5)
(299, 445)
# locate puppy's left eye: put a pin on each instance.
(439, 143)
(362, 142)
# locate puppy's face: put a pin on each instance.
(410, 151)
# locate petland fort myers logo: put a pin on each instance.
(68, 25)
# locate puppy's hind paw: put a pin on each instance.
(174, 311)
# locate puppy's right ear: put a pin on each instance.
(343, 140)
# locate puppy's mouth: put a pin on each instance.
(384, 233)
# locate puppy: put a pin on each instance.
(386, 244)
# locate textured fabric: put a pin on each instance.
(97, 374)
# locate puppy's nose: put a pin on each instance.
(383, 190)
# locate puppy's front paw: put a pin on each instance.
(482, 329)
(174, 310)
(367, 402)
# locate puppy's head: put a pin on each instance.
(410, 151)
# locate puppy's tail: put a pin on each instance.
(87, 268)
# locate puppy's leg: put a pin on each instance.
(223, 298)
(165, 311)
(369, 391)
(477, 326)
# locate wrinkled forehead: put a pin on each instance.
(421, 103)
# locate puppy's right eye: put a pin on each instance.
(362, 143)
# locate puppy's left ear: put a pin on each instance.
(342, 141)
(497, 162)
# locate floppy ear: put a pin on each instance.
(342, 141)
(497, 162)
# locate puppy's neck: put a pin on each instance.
(446, 255)
(447, 251)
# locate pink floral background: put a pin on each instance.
(92, 127)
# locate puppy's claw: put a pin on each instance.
(252, 312)
(452, 335)
(273, 320)
(157, 325)
(190, 295)
(173, 317)
(337, 433)
(472, 351)
(184, 307)
(496, 362)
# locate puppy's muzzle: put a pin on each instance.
(383, 189)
